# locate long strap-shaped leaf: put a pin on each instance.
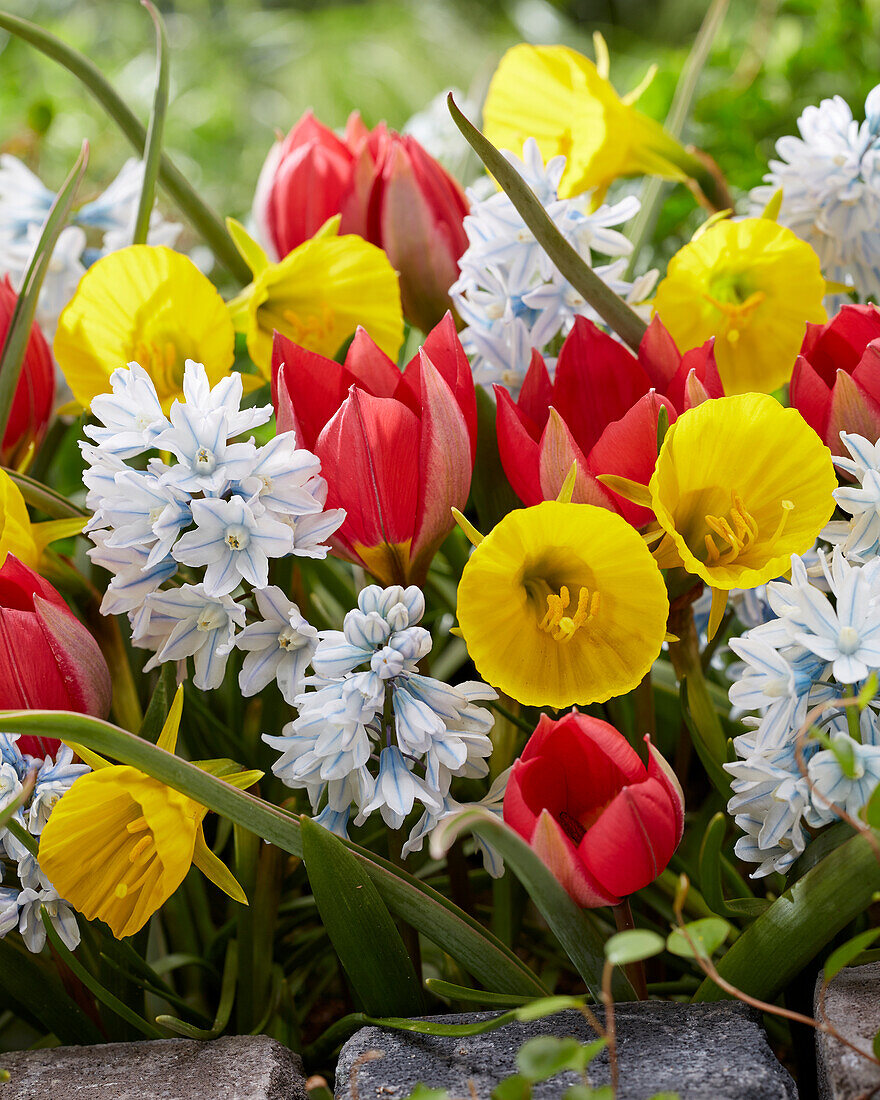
(19, 331)
(172, 179)
(780, 943)
(384, 977)
(582, 943)
(153, 140)
(476, 949)
(610, 306)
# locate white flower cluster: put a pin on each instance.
(221, 508)
(103, 225)
(830, 180)
(377, 733)
(21, 905)
(509, 293)
(821, 644)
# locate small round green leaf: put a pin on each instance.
(546, 1055)
(842, 956)
(707, 936)
(512, 1088)
(632, 946)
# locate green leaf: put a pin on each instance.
(705, 729)
(153, 139)
(19, 332)
(159, 705)
(359, 926)
(172, 179)
(491, 494)
(710, 876)
(869, 690)
(547, 1055)
(875, 1045)
(575, 933)
(611, 308)
(40, 496)
(707, 935)
(633, 945)
(422, 1092)
(41, 995)
(842, 956)
(584, 1092)
(512, 1088)
(871, 810)
(473, 996)
(546, 1006)
(480, 953)
(224, 1006)
(780, 943)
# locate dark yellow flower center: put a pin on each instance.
(561, 626)
(164, 364)
(304, 329)
(142, 854)
(731, 536)
(735, 315)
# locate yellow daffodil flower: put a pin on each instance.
(147, 305)
(568, 105)
(740, 485)
(18, 535)
(119, 843)
(317, 295)
(753, 285)
(562, 603)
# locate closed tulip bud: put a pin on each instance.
(603, 823)
(835, 385)
(48, 660)
(35, 393)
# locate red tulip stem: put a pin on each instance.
(623, 918)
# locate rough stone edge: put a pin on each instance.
(828, 1048)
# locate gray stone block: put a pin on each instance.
(852, 1007)
(237, 1067)
(702, 1052)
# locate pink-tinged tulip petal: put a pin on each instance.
(810, 395)
(633, 840)
(699, 363)
(536, 394)
(628, 448)
(307, 389)
(852, 410)
(81, 665)
(370, 454)
(597, 381)
(445, 467)
(557, 851)
(659, 769)
(867, 372)
(443, 348)
(695, 393)
(659, 354)
(519, 449)
(558, 451)
(370, 368)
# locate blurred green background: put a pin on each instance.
(242, 70)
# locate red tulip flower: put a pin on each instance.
(835, 385)
(48, 660)
(397, 449)
(387, 189)
(602, 822)
(600, 410)
(35, 393)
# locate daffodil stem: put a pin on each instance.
(685, 657)
(623, 918)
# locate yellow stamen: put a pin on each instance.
(736, 315)
(562, 627)
(738, 532)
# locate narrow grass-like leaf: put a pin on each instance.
(610, 307)
(577, 936)
(41, 496)
(452, 992)
(41, 995)
(479, 952)
(710, 876)
(153, 140)
(842, 956)
(19, 331)
(202, 217)
(793, 931)
(359, 925)
(224, 1005)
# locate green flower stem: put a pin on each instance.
(610, 307)
(40, 496)
(203, 218)
(685, 657)
(153, 140)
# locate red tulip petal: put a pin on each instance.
(811, 396)
(597, 381)
(369, 454)
(536, 394)
(518, 448)
(842, 341)
(628, 448)
(534, 785)
(556, 850)
(558, 451)
(659, 769)
(29, 675)
(307, 389)
(701, 362)
(867, 373)
(444, 349)
(633, 840)
(445, 465)
(370, 368)
(659, 355)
